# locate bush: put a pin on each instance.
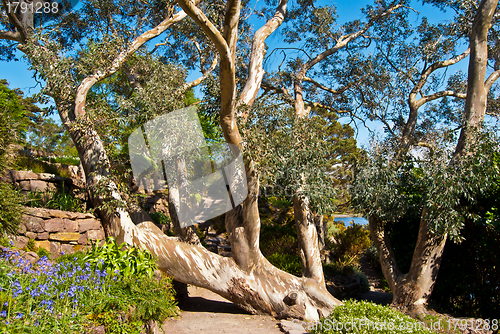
(350, 243)
(278, 244)
(287, 262)
(122, 259)
(365, 317)
(61, 200)
(10, 209)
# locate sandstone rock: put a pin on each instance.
(54, 225)
(67, 249)
(21, 242)
(35, 225)
(21, 229)
(25, 185)
(38, 212)
(95, 235)
(83, 239)
(55, 248)
(79, 215)
(45, 244)
(70, 225)
(31, 235)
(59, 214)
(64, 236)
(42, 236)
(89, 224)
(23, 175)
(41, 186)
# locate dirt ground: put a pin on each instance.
(208, 313)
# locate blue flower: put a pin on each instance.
(19, 315)
(3, 314)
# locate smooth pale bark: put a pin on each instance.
(475, 104)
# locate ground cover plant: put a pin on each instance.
(366, 317)
(75, 295)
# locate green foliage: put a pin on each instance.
(293, 155)
(123, 260)
(48, 136)
(71, 297)
(69, 160)
(60, 200)
(475, 290)
(368, 318)
(290, 263)
(278, 244)
(349, 243)
(10, 209)
(160, 218)
(22, 162)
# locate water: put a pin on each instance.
(357, 220)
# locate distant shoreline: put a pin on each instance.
(346, 215)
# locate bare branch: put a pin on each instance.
(196, 82)
(491, 80)
(256, 71)
(15, 21)
(11, 36)
(332, 91)
(438, 95)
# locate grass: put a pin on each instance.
(72, 161)
(38, 166)
(72, 296)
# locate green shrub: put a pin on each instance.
(38, 166)
(160, 218)
(10, 209)
(61, 200)
(350, 244)
(365, 317)
(287, 262)
(120, 259)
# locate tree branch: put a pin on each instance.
(256, 71)
(15, 21)
(196, 82)
(491, 80)
(332, 91)
(11, 36)
(88, 82)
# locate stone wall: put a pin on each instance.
(58, 231)
(41, 182)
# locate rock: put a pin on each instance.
(79, 215)
(98, 330)
(31, 257)
(290, 327)
(38, 212)
(21, 229)
(70, 225)
(95, 235)
(35, 225)
(45, 244)
(83, 239)
(31, 235)
(59, 214)
(25, 185)
(23, 175)
(64, 236)
(21, 242)
(67, 249)
(89, 224)
(41, 186)
(54, 225)
(42, 236)
(55, 248)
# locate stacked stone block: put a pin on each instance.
(59, 231)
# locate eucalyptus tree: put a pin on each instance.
(423, 168)
(83, 51)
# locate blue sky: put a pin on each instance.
(18, 75)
